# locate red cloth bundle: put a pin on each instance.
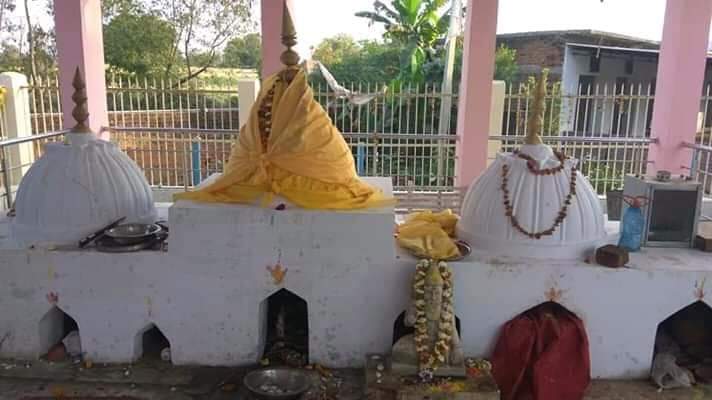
(542, 354)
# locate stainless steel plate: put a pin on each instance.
(277, 383)
(133, 233)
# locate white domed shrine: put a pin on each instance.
(533, 203)
(78, 187)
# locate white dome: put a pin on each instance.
(76, 189)
(537, 201)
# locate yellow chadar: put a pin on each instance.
(300, 156)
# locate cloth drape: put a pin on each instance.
(306, 159)
(542, 355)
(429, 235)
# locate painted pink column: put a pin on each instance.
(476, 90)
(80, 43)
(272, 48)
(679, 82)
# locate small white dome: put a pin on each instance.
(537, 201)
(77, 188)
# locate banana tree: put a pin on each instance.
(416, 25)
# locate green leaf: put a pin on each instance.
(383, 8)
(374, 17)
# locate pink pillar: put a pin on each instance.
(80, 43)
(272, 48)
(473, 120)
(679, 82)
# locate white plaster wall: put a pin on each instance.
(620, 308)
(575, 65)
(205, 295)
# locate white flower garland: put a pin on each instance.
(431, 359)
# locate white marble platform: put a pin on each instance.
(207, 292)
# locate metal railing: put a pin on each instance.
(180, 134)
(173, 157)
(606, 127)
(12, 168)
(701, 164)
(156, 103)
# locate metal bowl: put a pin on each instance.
(277, 383)
(465, 250)
(132, 233)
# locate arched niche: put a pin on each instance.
(150, 345)
(687, 335)
(285, 328)
(55, 328)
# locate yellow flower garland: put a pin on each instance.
(431, 359)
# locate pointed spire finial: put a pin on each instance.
(80, 111)
(536, 116)
(289, 57)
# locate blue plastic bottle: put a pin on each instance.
(632, 225)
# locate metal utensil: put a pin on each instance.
(465, 250)
(133, 233)
(277, 383)
(98, 234)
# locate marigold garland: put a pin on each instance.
(431, 359)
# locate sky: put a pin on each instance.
(319, 19)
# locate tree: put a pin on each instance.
(505, 64)
(202, 27)
(366, 61)
(113, 8)
(6, 7)
(332, 51)
(139, 43)
(416, 25)
(244, 52)
(11, 59)
(31, 43)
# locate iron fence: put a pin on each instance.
(174, 157)
(144, 103)
(700, 166)
(181, 133)
(605, 127)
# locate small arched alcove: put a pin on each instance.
(400, 329)
(285, 328)
(59, 335)
(687, 336)
(542, 350)
(150, 344)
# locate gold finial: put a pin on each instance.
(289, 57)
(536, 116)
(80, 111)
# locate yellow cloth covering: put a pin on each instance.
(429, 235)
(307, 160)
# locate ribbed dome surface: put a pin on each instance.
(77, 188)
(537, 201)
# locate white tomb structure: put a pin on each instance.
(537, 200)
(533, 202)
(208, 292)
(78, 187)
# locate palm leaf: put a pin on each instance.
(382, 7)
(375, 17)
(443, 25)
(400, 7)
(412, 10)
